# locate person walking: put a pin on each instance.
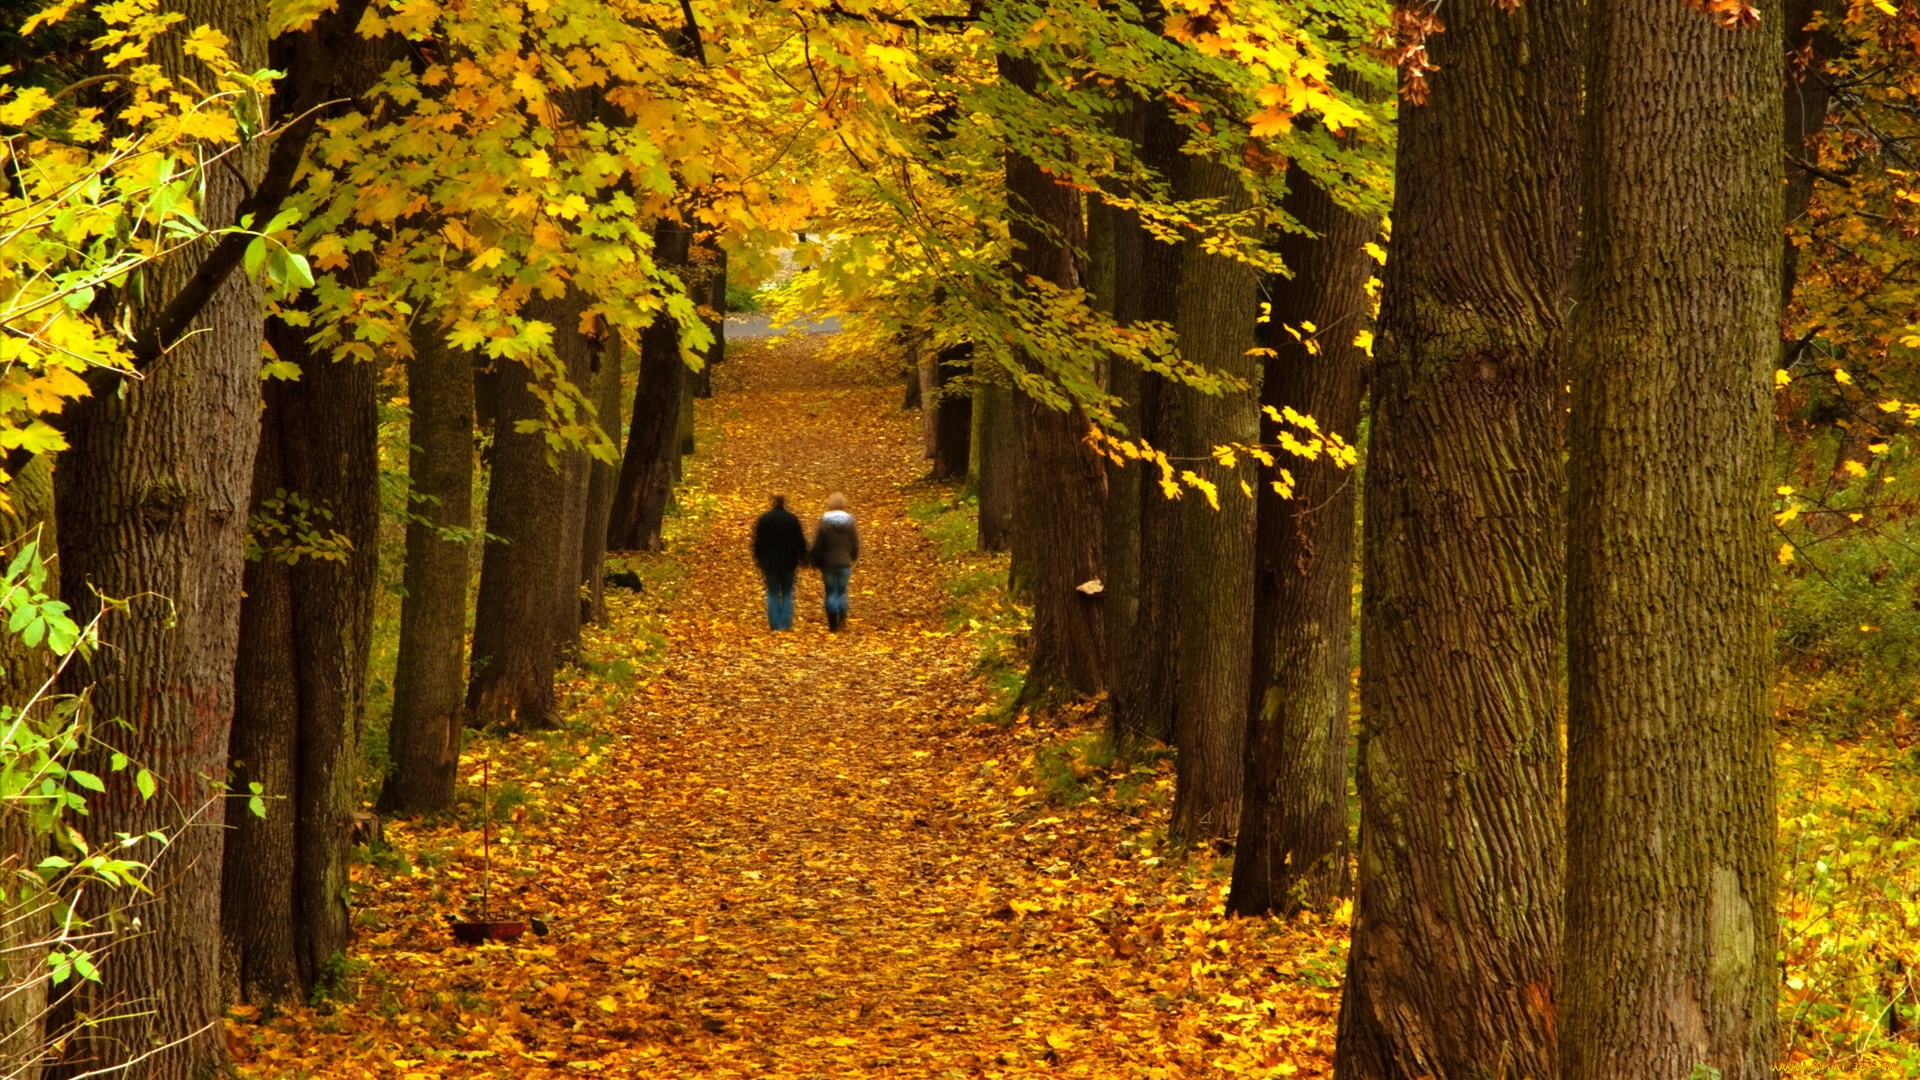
(836, 547)
(779, 547)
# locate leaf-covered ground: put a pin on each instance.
(804, 855)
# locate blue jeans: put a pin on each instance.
(779, 599)
(835, 578)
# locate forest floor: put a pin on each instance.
(805, 854)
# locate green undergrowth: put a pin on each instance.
(976, 587)
(1849, 814)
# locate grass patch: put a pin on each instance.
(976, 583)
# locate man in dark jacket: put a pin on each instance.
(779, 546)
(836, 546)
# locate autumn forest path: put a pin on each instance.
(804, 854)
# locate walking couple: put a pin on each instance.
(780, 547)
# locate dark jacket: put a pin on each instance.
(836, 542)
(779, 546)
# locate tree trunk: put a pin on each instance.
(602, 475)
(26, 920)
(1124, 482)
(713, 297)
(653, 445)
(1456, 932)
(430, 676)
(684, 444)
(1809, 49)
(1146, 704)
(997, 462)
(511, 679)
(1671, 931)
(575, 353)
(152, 503)
(1292, 851)
(301, 678)
(1063, 498)
(952, 412)
(1217, 304)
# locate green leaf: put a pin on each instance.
(87, 780)
(145, 782)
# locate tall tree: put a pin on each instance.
(306, 629)
(1671, 931)
(26, 920)
(1292, 851)
(995, 462)
(1065, 485)
(575, 352)
(152, 502)
(1216, 308)
(429, 684)
(653, 435)
(511, 672)
(602, 475)
(301, 679)
(1146, 702)
(1456, 932)
(952, 411)
(1120, 298)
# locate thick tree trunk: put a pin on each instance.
(1063, 498)
(1216, 304)
(300, 690)
(653, 444)
(602, 475)
(575, 353)
(511, 674)
(952, 412)
(429, 684)
(1292, 851)
(1671, 931)
(1146, 703)
(26, 914)
(152, 502)
(1456, 939)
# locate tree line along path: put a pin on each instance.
(804, 854)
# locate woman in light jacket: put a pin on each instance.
(836, 547)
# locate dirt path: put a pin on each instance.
(806, 855)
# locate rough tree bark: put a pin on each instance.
(1671, 930)
(1216, 306)
(429, 685)
(1064, 493)
(301, 678)
(602, 476)
(1455, 949)
(1293, 851)
(653, 450)
(152, 503)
